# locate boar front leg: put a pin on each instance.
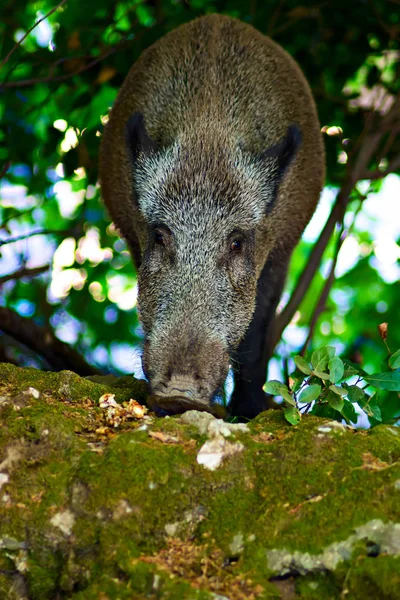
(251, 357)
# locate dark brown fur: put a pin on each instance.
(220, 88)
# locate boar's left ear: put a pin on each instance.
(137, 138)
(279, 156)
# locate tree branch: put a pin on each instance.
(50, 77)
(6, 59)
(73, 231)
(307, 275)
(364, 150)
(24, 272)
(25, 236)
(321, 304)
(393, 166)
(5, 168)
(42, 340)
(28, 82)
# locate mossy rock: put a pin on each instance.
(89, 511)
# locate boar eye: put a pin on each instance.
(159, 238)
(160, 235)
(236, 245)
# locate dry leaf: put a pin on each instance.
(163, 437)
(383, 330)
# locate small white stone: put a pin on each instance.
(21, 561)
(237, 545)
(213, 452)
(3, 479)
(156, 582)
(143, 427)
(64, 520)
(34, 392)
(171, 528)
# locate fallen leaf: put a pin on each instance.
(163, 437)
(372, 463)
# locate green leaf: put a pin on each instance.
(302, 364)
(321, 357)
(275, 388)
(338, 390)
(310, 393)
(336, 369)
(349, 412)
(295, 380)
(335, 401)
(286, 395)
(374, 412)
(390, 407)
(394, 360)
(355, 393)
(322, 409)
(351, 368)
(385, 381)
(321, 375)
(370, 406)
(292, 415)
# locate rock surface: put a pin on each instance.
(98, 508)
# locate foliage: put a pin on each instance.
(325, 385)
(56, 88)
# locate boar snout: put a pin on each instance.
(186, 376)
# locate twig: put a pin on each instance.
(20, 238)
(24, 272)
(60, 356)
(393, 166)
(388, 144)
(274, 17)
(6, 59)
(320, 306)
(5, 168)
(28, 82)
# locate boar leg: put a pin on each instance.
(251, 358)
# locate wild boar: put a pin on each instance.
(211, 166)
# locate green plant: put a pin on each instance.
(324, 384)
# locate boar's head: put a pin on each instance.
(202, 202)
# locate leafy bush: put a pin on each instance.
(324, 384)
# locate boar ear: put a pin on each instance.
(136, 137)
(283, 152)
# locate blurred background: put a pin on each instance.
(67, 285)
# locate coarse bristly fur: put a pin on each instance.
(211, 166)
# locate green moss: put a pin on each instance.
(377, 577)
(65, 385)
(144, 583)
(293, 489)
(6, 584)
(318, 586)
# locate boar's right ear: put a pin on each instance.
(282, 153)
(137, 138)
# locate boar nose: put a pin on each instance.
(181, 386)
(187, 372)
(177, 385)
